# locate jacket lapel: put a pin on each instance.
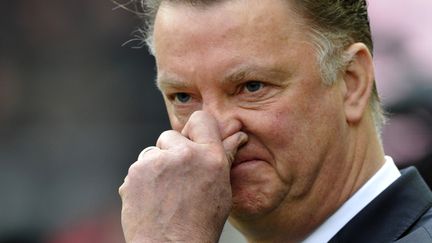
(392, 214)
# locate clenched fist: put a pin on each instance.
(180, 191)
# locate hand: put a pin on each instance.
(180, 190)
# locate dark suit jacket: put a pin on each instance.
(401, 213)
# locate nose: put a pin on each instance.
(228, 119)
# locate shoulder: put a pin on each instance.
(401, 213)
(421, 232)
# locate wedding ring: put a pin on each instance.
(141, 155)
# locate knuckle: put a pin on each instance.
(166, 133)
(165, 137)
(218, 164)
(151, 164)
(139, 167)
(198, 113)
(121, 190)
(178, 157)
(185, 153)
(198, 117)
(133, 169)
(123, 187)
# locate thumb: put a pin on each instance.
(232, 143)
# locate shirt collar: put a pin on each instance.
(383, 178)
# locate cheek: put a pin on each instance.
(179, 117)
(276, 127)
(177, 123)
(275, 131)
(287, 133)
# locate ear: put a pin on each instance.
(358, 80)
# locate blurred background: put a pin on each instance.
(77, 107)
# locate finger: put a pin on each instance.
(169, 139)
(232, 143)
(202, 128)
(141, 155)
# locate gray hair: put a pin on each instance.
(333, 26)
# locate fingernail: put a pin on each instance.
(242, 138)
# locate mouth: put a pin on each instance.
(250, 154)
(244, 157)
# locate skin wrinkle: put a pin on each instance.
(299, 140)
(332, 29)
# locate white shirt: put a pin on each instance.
(385, 176)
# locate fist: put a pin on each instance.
(180, 190)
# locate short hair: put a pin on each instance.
(333, 26)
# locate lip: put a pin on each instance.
(246, 162)
(244, 157)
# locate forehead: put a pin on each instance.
(232, 17)
(223, 35)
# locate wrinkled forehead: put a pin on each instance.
(194, 3)
(256, 11)
(204, 12)
(227, 36)
(209, 4)
(227, 20)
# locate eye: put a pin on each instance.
(253, 86)
(182, 97)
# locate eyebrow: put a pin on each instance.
(247, 72)
(164, 81)
(237, 75)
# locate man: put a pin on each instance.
(276, 125)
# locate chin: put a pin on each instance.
(250, 208)
(253, 203)
(257, 190)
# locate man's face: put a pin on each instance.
(252, 64)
